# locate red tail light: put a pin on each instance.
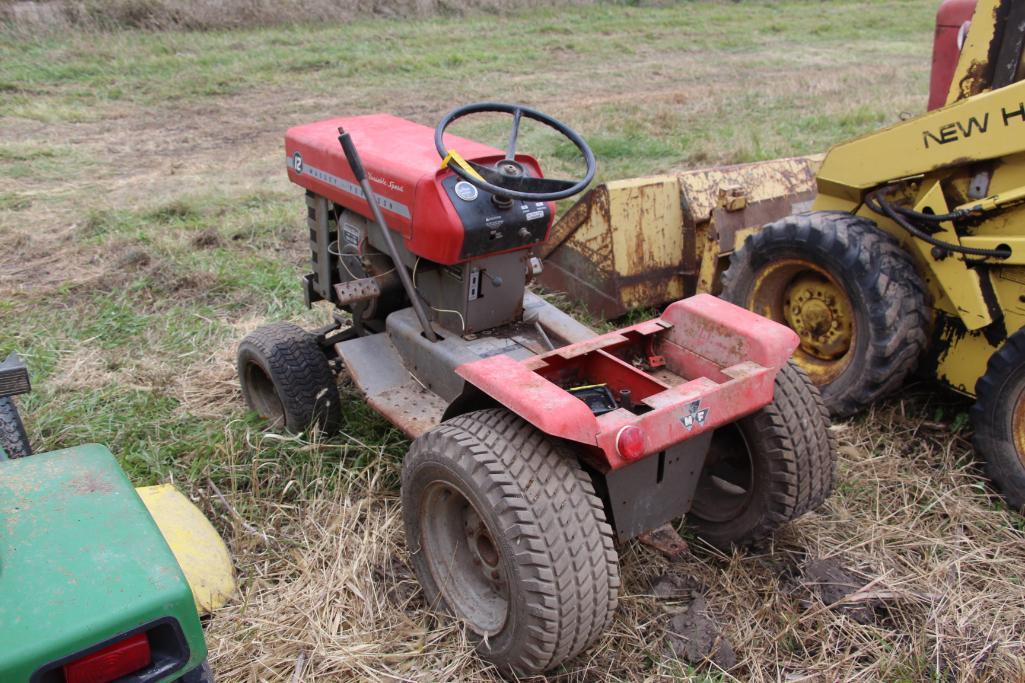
(110, 663)
(630, 442)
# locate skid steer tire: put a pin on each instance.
(13, 438)
(507, 534)
(287, 380)
(998, 417)
(767, 468)
(850, 292)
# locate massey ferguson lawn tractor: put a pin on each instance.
(99, 582)
(900, 249)
(537, 445)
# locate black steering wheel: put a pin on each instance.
(508, 178)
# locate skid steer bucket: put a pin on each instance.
(644, 242)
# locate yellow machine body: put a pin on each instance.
(968, 155)
(641, 242)
(196, 545)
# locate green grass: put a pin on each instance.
(150, 68)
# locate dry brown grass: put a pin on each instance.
(331, 586)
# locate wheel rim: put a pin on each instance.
(464, 559)
(727, 480)
(263, 395)
(808, 300)
(1018, 427)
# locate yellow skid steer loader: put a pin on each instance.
(900, 249)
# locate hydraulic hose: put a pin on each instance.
(901, 215)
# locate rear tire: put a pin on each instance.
(507, 535)
(851, 293)
(286, 379)
(999, 420)
(13, 438)
(766, 469)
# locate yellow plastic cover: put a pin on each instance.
(196, 545)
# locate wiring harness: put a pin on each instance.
(915, 221)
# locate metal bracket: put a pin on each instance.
(651, 492)
(354, 291)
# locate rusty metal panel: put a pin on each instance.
(642, 242)
(410, 407)
(734, 188)
(355, 291)
(975, 67)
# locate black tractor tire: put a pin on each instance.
(998, 417)
(286, 379)
(13, 438)
(885, 296)
(766, 469)
(507, 534)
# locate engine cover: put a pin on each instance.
(440, 217)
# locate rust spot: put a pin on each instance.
(975, 81)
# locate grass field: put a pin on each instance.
(146, 225)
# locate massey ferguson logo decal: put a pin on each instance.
(696, 415)
(297, 163)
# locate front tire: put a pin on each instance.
(286, 379)
(13, 438)
(850, 292)
(506, 534)
(766, 469)
(999, 420)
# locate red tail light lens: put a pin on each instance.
(112, 662)
(630, 442)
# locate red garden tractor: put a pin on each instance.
(537, 445)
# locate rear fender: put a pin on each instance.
(716, 363)
(196, 545)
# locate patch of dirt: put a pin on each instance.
(43, 267)
(673, 586)
(133, 259)
(832, 582)
(90, 483)
(206, 239)
(695, 636)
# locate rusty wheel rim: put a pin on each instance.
(464, 559)
(810, 301)
(1018, 427)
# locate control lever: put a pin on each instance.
(356, 164)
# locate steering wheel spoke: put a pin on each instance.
(522, 183)
(510, 150)
(508, 178)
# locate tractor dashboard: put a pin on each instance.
(440, 217)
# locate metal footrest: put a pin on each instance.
(354, 291)
(377, 369)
